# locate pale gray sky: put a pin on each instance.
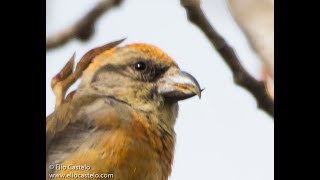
(223, 136)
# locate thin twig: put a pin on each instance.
(82, 29)
(240, 75)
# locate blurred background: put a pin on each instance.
(222, 136)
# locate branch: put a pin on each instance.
(240, 75)
(84, 28)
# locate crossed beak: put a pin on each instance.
(179, 86)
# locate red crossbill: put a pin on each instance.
(121, 118)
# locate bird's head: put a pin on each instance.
(140, 75)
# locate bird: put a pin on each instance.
(120, 119)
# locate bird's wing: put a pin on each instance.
(65, 132)
(68, 133)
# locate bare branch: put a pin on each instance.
(240, 75)
(84, 28)
(57, 81)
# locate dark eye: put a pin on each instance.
(140, 66)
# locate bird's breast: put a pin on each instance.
(123, 142)
(138, 149)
